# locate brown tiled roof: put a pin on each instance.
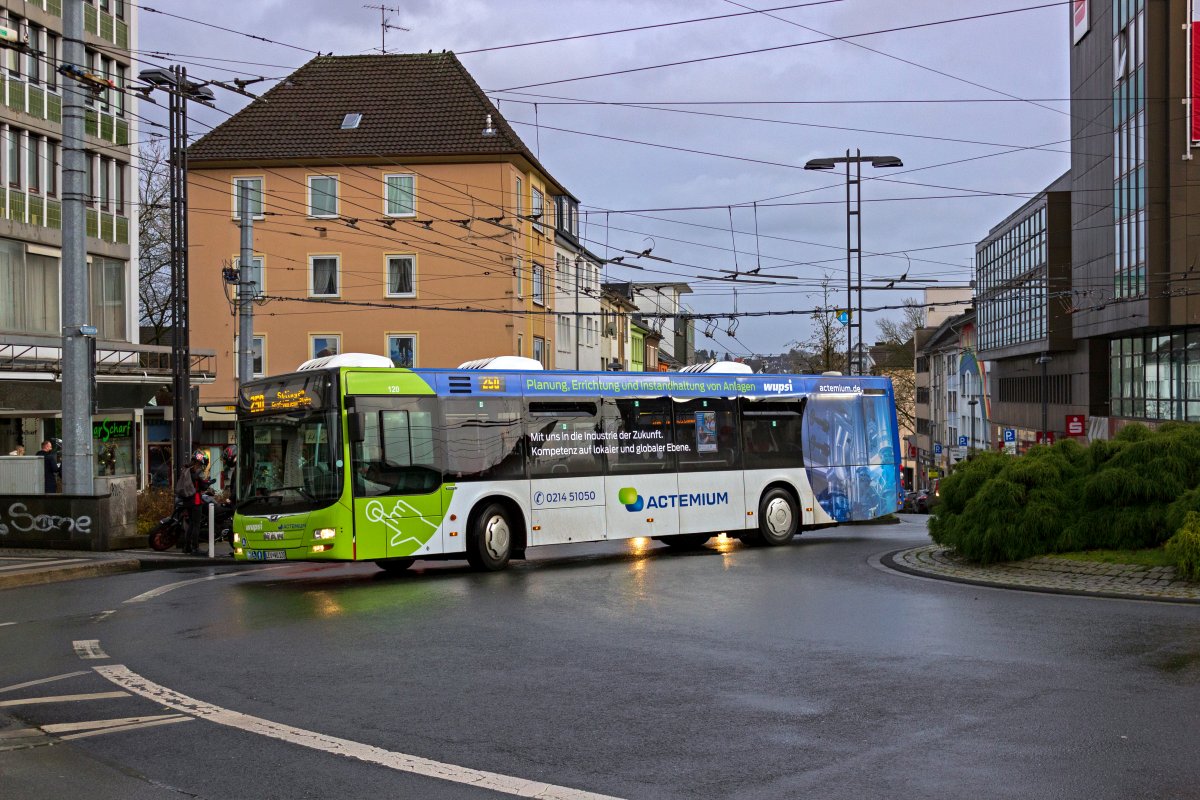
(412, 105)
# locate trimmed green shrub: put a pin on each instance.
(1184, 548)
(1129, 493)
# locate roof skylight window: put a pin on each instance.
(350, 121)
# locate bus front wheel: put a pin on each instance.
(489, 544)
(778, 518)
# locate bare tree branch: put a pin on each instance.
(154, 243)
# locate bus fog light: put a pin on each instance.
(237, 551)
(324, 533)
(321, 548)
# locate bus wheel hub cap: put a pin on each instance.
(496, 540)
(779, 516)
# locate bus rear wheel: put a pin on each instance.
(489, 543)
(394, 566)
(685, 541)
(778, 519)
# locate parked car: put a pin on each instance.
(921, 501)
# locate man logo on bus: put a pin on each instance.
(631, 499)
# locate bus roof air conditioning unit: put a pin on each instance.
(515, 363)
(346, 360)
(721, 368)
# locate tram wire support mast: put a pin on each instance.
(180, 90)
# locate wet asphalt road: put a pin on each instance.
(624, 670)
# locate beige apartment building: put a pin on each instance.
(394, 211)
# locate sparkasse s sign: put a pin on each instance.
(1080, 17)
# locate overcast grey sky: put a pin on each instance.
(777, 109)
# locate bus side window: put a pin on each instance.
(772, 430)
(563, 438)
(642, 431)
(483, 439)
(706, 435)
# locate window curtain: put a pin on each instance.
(400, 276)
(325, 276)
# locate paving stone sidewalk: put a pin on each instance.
(1050, 575)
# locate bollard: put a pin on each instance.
(212, 514)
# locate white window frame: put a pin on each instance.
(259, 266)
(520, 273)
(537, 208)
(387, 274)
(336, 196)
(312, 342)
(402, 335)
(236, 192)
(259, 339)
(564, 333)
(337, 259)
(412, 193)
(537, 292)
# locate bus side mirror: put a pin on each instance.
(356, 425)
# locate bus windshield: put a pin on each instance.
(290, 462)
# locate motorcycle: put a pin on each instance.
(170, 530)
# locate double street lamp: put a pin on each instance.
(853, 233)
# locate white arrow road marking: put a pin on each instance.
(161, 590)
(61, 698)
(27, 684)
(89, 649)
(519, 787)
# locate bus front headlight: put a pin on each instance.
(324, 533)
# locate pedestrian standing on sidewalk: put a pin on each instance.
(50, 463)
(187, 489)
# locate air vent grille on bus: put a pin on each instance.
(459, 384)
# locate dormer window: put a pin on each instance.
(350, 121)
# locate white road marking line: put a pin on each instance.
(27, 684)
(103, 615)
(122, 676)
(161, 590)
(2, 624)
(44, 562)
(20, 733)
(97, 724)
(89, 649)
(122, 729)
(62, 698)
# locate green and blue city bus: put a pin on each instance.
(370, 463)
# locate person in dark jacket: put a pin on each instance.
(187, 488)
(51, 465)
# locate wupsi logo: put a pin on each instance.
(631, 499)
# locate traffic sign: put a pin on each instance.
(962, 441)
(1010, 434)
(843, 315)
(937, 448)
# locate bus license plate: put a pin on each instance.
(267, 555)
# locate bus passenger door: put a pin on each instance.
(566, 470)
(398, 495)
(642, 487)
(711, 490)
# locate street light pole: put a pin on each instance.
(853, 235)
(972, 403)
(1044, 359)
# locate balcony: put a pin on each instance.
(115, 361)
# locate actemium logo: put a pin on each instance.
(630, 499)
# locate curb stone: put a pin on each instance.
(1052, 575)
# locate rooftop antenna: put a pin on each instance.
(384, 24)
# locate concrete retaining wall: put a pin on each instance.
(73, 522)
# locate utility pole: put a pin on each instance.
(247, 289)
(77, 334)
(181, 356)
